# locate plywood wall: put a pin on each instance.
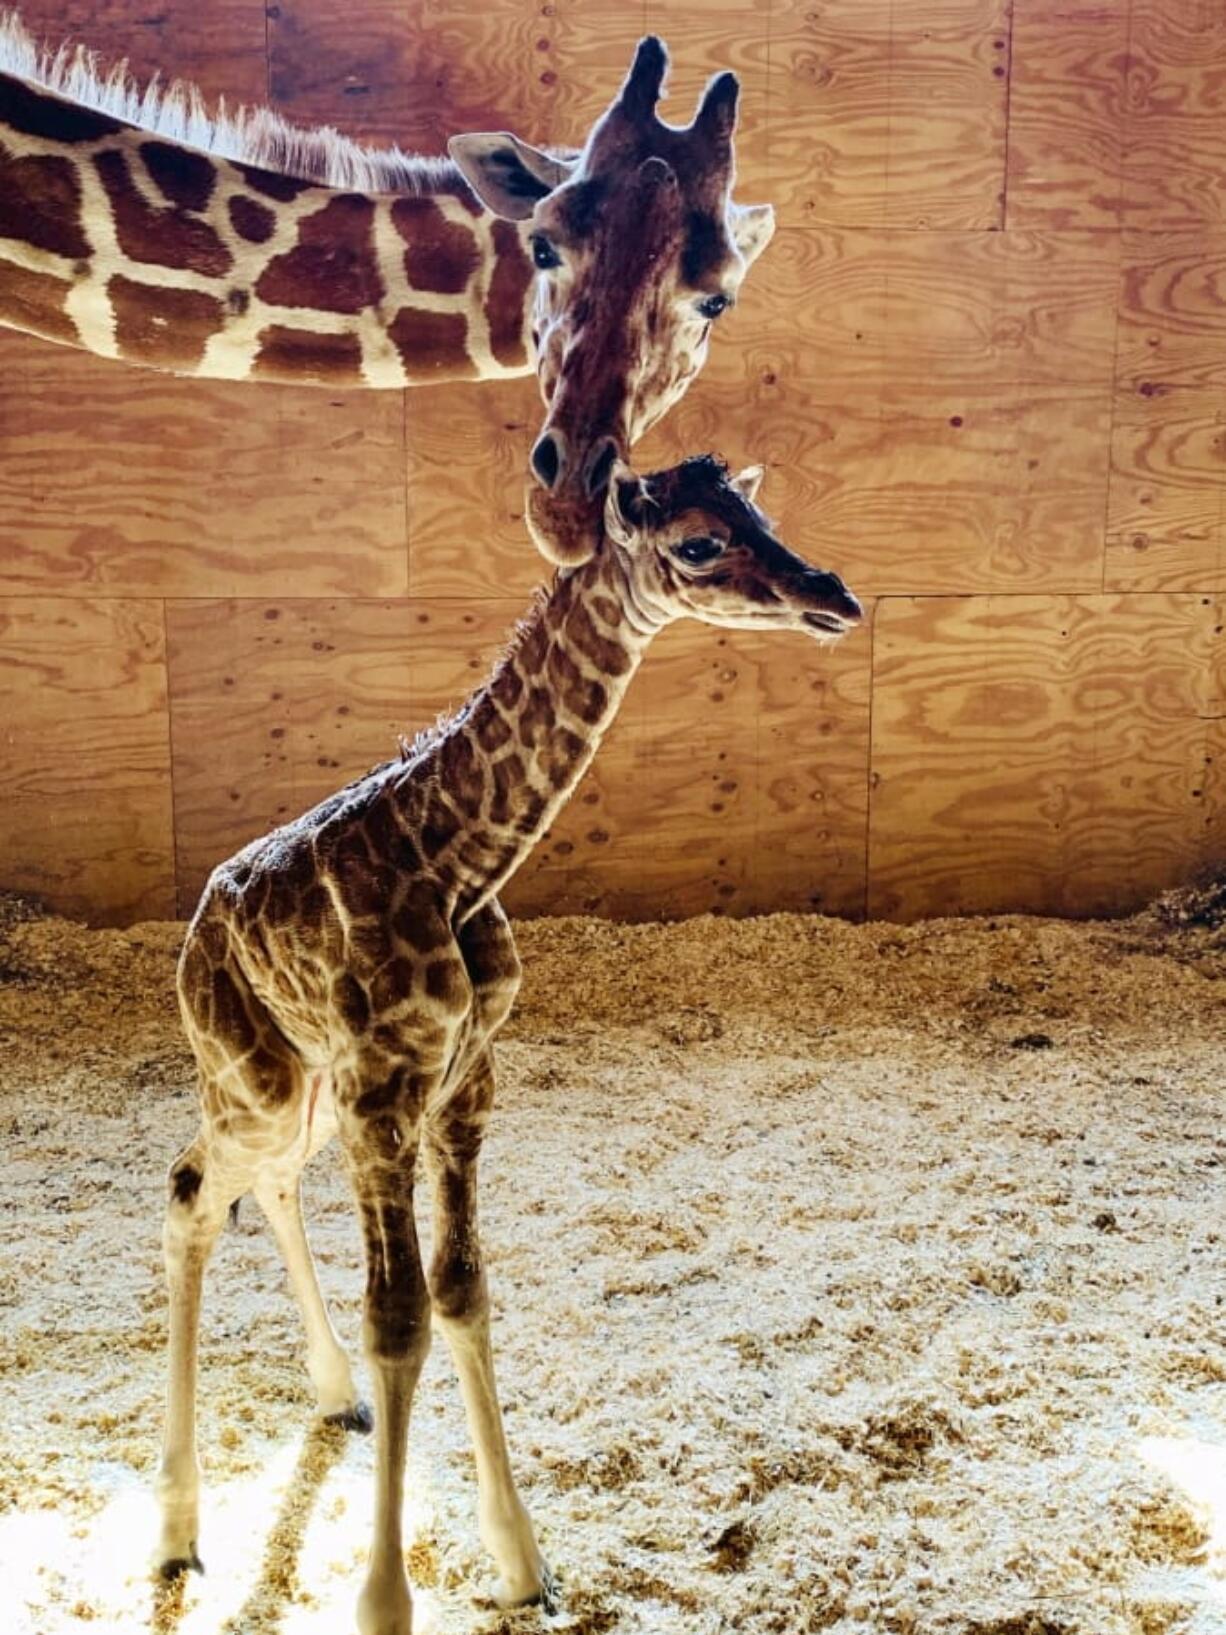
(984, 360)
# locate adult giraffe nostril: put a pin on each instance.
(600, 464)
(547, 461)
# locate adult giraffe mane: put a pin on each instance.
(179, 112)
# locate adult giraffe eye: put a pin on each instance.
(712, 305)
(698, 551)
(543, 253)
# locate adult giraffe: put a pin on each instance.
(138, 226)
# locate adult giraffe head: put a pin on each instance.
(638, 247)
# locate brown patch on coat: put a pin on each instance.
(165, 327)
(230, 1019)
(607, 610)
(461, 771)
(439, 825)
(441, 255)
(183, 177)
(250, 219)
(290, 354)
(391, 984)
(273, 185)
(492, 729)
(505, 299)
(447, 983)
(417, 920)
(349, 997)
(333, 267)
(185, 1183)
(40, 204)
(34, 303)
(33, 114)
(565, 748)
(535, 717)
(508, 777)
(610, 658)
(160, 238)
(507, 687)
(432, 345)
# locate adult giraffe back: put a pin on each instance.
(141, 227)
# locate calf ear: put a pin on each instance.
(507, 175)
(625, 504)
(748, 482)
(752, 227)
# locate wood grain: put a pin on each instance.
(1174, 170)
(1048, 764)
(275, 704)
(219, 47)
(85, 816)
(466, 484)
(936, 489)
(385, 73)
(982, 427)
(137, 483)
(1168, 456)
(1068, 90)
(884, 115)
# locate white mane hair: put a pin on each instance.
(178, 112)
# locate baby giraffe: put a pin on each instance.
(350, 970)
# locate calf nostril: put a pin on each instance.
(545, 460)
(600, 466)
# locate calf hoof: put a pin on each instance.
(358, 1418)
(177, 1566)
(547, 1595)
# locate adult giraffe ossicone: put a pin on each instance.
(138, 226)
(350, 971)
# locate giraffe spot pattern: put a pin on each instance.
(164, 327)
(273, 185)
(289, 354)
(432, 345)
(32, 114)
(250, 219)
(181, 176)
(440, 255)
(333, 267)
(34, 303)
(40, 204)
(160, 238)
(504, 301)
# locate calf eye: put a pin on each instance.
(543, 253)
(712, 305)
(697, 551)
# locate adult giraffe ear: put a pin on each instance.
(507, 175)
(748, 482)
(752, 227)
(625, 506)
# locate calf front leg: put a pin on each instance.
(460, 1298)
(380, 1152)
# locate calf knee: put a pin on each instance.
(397, 1323)
(458, 1290)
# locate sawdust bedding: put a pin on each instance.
(846, 1278)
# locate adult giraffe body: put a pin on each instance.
(141, 228)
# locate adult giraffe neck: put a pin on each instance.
(141, 244)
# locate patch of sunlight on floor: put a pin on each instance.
(283, 1549)
(1197, 1465)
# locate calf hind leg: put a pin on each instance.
(460, 1298)
(200, 1195)
(327, 1363)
